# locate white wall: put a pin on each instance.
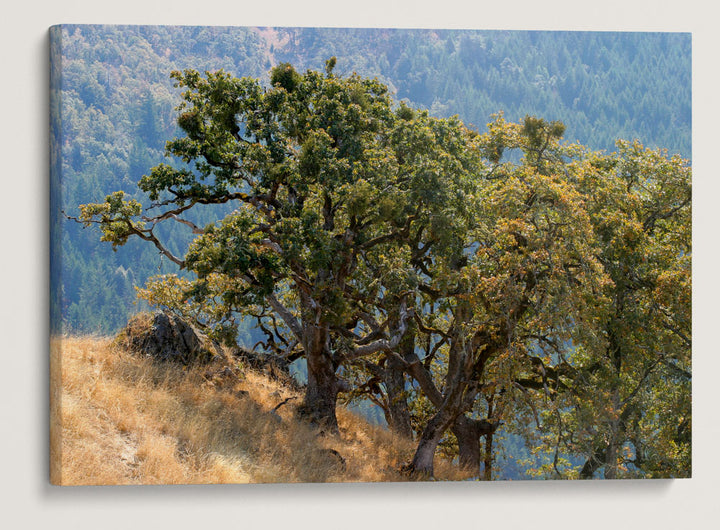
(25, 496)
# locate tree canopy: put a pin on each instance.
(113, 99)
(463, 281)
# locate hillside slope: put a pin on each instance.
(118, 418)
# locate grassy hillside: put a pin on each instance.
(118, 418)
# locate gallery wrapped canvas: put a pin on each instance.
(366, 255)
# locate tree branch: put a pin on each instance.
(286, 315)
(383, 344)
(149, 236)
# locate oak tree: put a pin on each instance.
(460, 280)
(328, 178)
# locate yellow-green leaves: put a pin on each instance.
(115, 217)
(549, 281)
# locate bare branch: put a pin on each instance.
(195, 229)
(286, 315)
(421, 374)
(275, 409)
(427, 329)
(271, 245)
(167, 214)
(391, 236)
(530, 402)
(383, 344)
(147, 235)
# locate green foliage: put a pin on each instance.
(510, 275)
(285, 76)
(203, 304)
(629, 409)
(114, 102)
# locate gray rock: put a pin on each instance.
(167, 337)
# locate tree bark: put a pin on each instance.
(422, 463)
(395, 385)
(611, 453)
(322, 389)
(593, 463)
(454, 402)
(397, 402)
(321, 394)
(468, 438)
(468, 432)
(488, 460)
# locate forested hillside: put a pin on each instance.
(446, 224)
(115, 101)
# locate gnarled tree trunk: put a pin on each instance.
(422, 463)
(468, 435)
(488, 458)
(323, 386)
(397, 402)
(321, 393)
(468, 432)
(395, 385)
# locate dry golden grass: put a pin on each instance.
(119, 418)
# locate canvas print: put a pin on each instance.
(368, 255)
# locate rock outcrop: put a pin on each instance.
(166, 337)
